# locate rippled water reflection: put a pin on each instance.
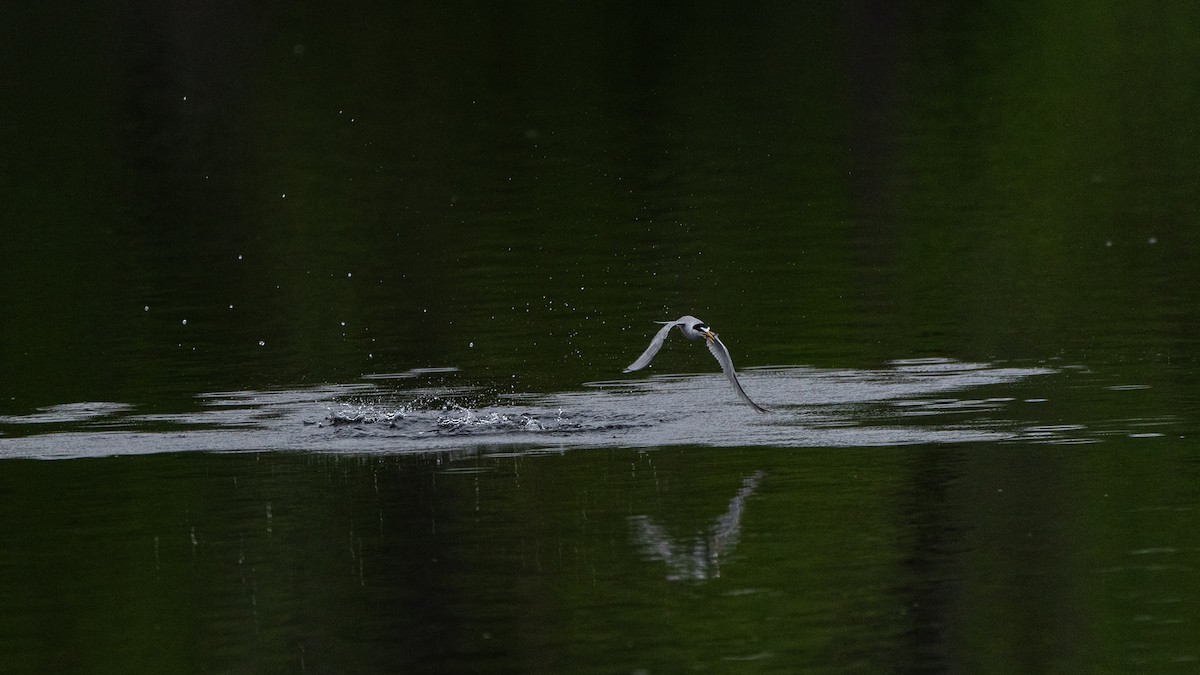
(696, 557)
(908, 402)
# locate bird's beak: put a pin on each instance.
(710, 335)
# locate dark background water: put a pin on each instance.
(222, 217)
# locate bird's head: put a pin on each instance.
(704, 330)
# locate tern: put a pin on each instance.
(695, 329)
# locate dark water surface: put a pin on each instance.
(319, 316)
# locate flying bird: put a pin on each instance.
(695, 329)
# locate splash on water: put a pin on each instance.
(906, 402)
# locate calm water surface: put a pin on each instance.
(314, 324)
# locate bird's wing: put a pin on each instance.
(655, 345)
(721, 354)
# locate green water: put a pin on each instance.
(314, 321)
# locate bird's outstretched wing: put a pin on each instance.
(721, 354)
(655, 345)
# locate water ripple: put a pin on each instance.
(907, 402)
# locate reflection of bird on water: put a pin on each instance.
(695, 329)
(700, 558)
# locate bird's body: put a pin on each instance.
(694, 329)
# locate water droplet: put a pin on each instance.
(146, 308)
(185, 322)
(261, 343)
